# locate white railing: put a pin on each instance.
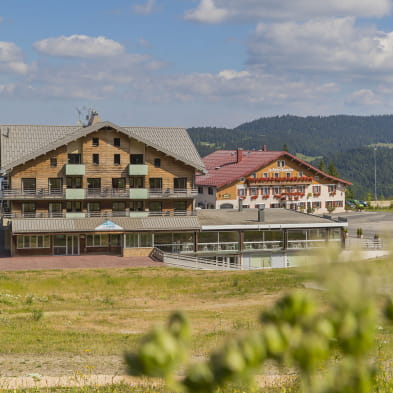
(172, 193)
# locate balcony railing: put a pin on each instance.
(99, 193)
(125, 213)
(155, 193)
(40, 193)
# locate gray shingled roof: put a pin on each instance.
(21, 143)
(64, 225)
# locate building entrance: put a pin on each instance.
(66, 245)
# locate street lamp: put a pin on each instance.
(375, 173)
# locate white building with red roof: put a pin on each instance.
(275, 179)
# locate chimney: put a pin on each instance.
(240, 153)
(264, 148)
(261, 213)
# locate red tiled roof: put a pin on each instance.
(223, 169)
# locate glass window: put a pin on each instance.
(74, 158)
(228, 237)
(97, 240)
(34, 241)
(210, 191)
(208, 237)
(96, 159)
(55, 184)
(155, 183)
(276, 175)
(316, 189)
(93, 207)
(288, 174)
(118, 206)
(180, 205)
(74, 206)
(55, 209)
(131, 240)
(163, 238)
(136, 206)
(137, 182)
(180, 183)
(53, 162)
(145, 239)
(119, 182)
(115, 240)
(74, 181)
(95, 141)
(157, 162)
(28, 207)
(155, 206)
(116, 142)
(28, 184)
(94, 182)
(136, 159)
(200, 190)
(116, 159)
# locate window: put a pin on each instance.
(136, 206)
(55, 209)
(241, 191)
(300, 189)
(53, 162)
(316, 205)
(155, 183)
(253, 175)
(155, 206)
(95, 141)
(136, 159)
(316, 189)
(179, 206)
(116, 159)
(332, 188)
(200, 190)
(118, 206)
(74, 158)
(74, 182)
(253, 191)
(301, 174)
(96, 159)
(116, 142)
(276, 175)
(74, 206)
(276, 190)
(316, 177)
(94, 183)
(93, 207)
(180, 183)
(137, 182)
(35, 241)
(210, 191)
(288, 174)
(265, 175)
(119, 183)
(157, 162)
(280, 163)
(28, 184)
(28, 209)
(100, 240)
(55, 184)
(265, 190)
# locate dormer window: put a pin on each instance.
(116, 142)
(280, 164)
(95, 141)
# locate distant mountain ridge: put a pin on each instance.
(345, 139)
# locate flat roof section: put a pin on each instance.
(274, 218)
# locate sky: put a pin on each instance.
(193, 62)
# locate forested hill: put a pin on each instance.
(312, 135)
(344, 140)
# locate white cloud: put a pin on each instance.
(146, 8)
(11, 58)
(79, 46)
(207, 12)
(1, 19)
(144, 43)
(232, 74)
(329, 45)
(364, 97)
(217, 11)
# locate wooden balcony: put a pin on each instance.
(279, 180)
(99, 193)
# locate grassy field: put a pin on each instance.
(81, 321)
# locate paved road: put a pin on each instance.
(74, 262)
(370, 222)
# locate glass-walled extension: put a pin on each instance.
(312, 238)
(263, 240)
(218, 241)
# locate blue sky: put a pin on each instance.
(193, 62)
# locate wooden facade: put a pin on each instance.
(94, 175)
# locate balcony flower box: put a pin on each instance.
(254, 196)
(265, 196)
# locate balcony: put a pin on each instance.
(137, 170)
(107, 193)
(40, 193)
(138, 193)
(75, 193)
(170, 193)
(279, 180)
(125, 213)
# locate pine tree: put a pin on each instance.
(332, 170)
(285, 147)
(322, 166)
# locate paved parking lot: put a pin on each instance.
(370, 222)
(74, 262)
